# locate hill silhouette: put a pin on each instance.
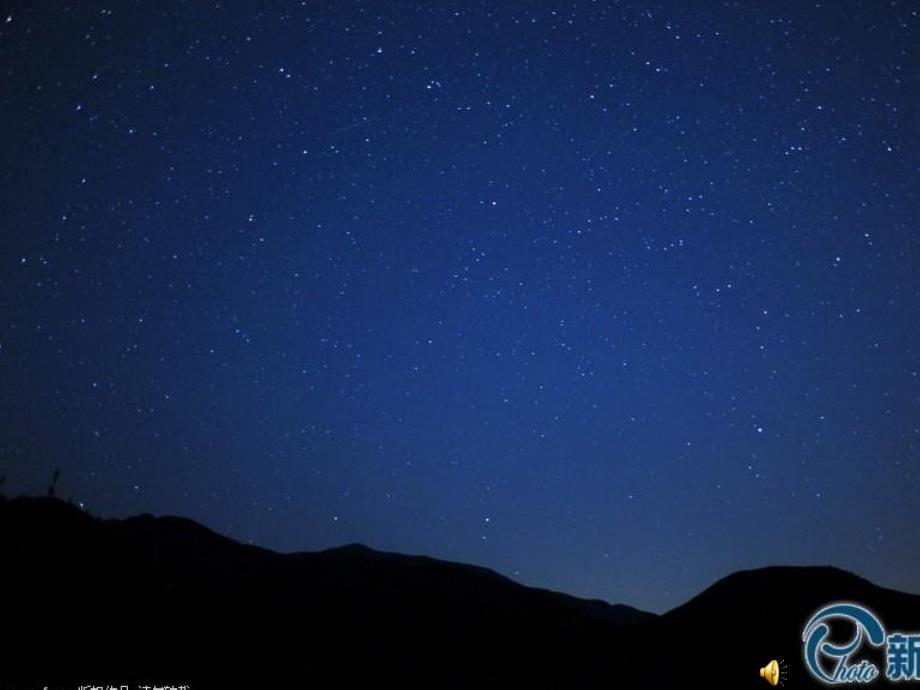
(164, 599)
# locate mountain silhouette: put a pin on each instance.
(165, 600)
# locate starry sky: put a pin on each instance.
(613, 297)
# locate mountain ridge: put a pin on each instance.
(172, 596)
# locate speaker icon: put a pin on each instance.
(774, 672)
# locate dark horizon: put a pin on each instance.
(52, 508)
(201, 608)
(357, 544)
(613, 299)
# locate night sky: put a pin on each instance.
(615, 298)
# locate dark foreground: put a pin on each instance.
(164, 600)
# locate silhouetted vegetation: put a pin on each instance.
(54, 480)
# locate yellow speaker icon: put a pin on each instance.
(770, 672)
